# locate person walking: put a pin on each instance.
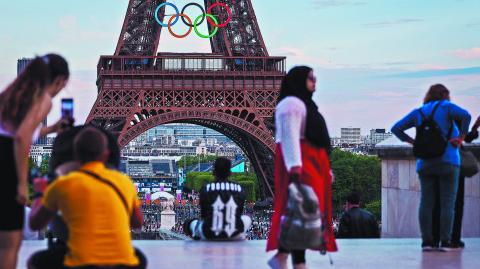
(301, 155)
(437, 116)
(24, 104)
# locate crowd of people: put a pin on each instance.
(260, 224)
(185, 211)
(91, 208)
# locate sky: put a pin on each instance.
(374, 59)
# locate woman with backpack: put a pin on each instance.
(436, 147)
(301, 156)
(24, 104)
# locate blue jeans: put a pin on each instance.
(445, 176)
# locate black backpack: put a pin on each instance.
(429, 140)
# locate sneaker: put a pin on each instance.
(279, 261)
(427, 246)
(458, 244)
(448, 246)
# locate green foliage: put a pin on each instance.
(249, 182)
(355, 173)
(249, 190)
(196, 180)
(44, 164)
(375, 207)
(191, 160)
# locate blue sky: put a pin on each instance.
(374, 58)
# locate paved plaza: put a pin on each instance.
(354, 254)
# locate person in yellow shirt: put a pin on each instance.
(99, 206)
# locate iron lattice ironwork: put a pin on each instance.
(232, 90)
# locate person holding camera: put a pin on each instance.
(24, 104)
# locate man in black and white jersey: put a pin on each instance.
(221, 208)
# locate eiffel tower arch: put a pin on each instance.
(232, 90)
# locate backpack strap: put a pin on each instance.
(97, 177)
(435, 110)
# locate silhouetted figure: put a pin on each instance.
(357, 222)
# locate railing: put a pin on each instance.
(189, 63)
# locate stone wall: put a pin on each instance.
(401, 192)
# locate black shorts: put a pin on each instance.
(13, 212)
(53, 258)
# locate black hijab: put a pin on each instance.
(294, 84)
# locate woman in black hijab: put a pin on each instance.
(301, 155)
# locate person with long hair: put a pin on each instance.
(301, 155)
(440, 172)
(24, 104)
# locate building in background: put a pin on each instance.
(350, 136)
(378, 135)
(152, 175)
(22, 64)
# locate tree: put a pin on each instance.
(249, 182)
(44, 164)
(355, 173)
(375, 208)
(248, 188)
(192, 160)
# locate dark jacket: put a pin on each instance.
(221, 208)
(358, 223)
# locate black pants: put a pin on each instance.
(298, 256)
(53, 257)
(457, 222)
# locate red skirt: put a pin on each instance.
(316, 173)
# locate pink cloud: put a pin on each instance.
(468, 54)
(430, 67)
(300, 56)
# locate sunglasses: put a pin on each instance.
(312, 78)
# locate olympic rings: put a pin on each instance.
(208, 17)
(189, 29)
(197, 5)
(229, 11)
(199, 20)
(162, 5)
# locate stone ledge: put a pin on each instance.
(393, 148)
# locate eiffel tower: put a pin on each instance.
(232, 90)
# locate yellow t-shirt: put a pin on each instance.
(98, 224)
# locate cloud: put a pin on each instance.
(300, 56)
(439, 73)
(468, 54)
(320, 4)
(391, 23)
